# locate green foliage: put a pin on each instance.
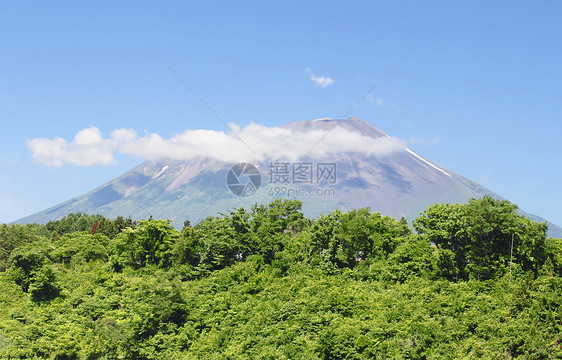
(84, 222)
(15, 235)
(72, 223)
(215, 243)
(553, 250)
(43, 285)
(112, 228)
(480, 234)
(270, 224)
(151, 242)
(270, 284)
(27, 261)
(80, 247)
(343, 239)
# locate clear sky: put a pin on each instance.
(479, 93)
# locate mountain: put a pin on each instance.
(400, 183)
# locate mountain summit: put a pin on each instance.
(396, 183)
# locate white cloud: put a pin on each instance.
(91, 148)
(91, 135)
(321, 80)
(87, 149)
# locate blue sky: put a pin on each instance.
(479, 92)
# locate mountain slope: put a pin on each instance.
(398, 184)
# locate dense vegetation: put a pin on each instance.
(472, 281)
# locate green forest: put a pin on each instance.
(463, 281)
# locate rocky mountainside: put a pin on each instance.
(400, 183)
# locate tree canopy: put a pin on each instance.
(268, 283)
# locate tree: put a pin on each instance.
(26, 261)
(149, 243)
(344, 238)
(43, 286)
(15, 235)
(217, 243)
(479, 233)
